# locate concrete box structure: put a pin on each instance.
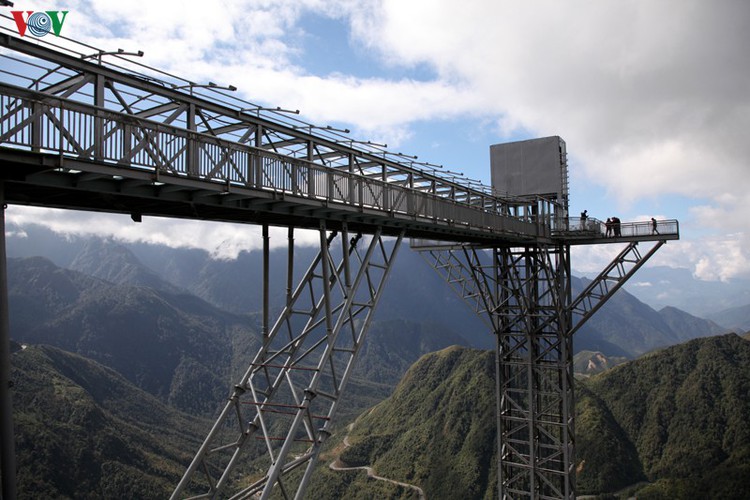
(531, 167)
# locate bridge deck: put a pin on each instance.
(80, 130)
(53, 181)
(92, 136)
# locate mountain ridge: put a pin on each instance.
(674, 440)
(83, 431)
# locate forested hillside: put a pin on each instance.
(83, 431)
(415, 294)
(173, 345)
(686, 410)
(676, 418)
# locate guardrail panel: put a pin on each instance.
(54, 125)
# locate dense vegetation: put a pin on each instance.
(437, 430)
(173, 345)
(686, 410)
(675, 420)
(83, 431)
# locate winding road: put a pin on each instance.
(337, 465)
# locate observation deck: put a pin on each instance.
(593, 231)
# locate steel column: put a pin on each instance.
(7, 438)
(535, 356)
(266, 280)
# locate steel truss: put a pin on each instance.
(269, 434)
(525, 294)
(204, 129)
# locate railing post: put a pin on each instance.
(351, 180)
(256, 175)
(98, 149)
(191, 160)
(36, 127)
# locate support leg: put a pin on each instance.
(269, 434)
(7, 436)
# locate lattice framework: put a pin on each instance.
(280, 412)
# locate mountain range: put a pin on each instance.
(624, 327)
(662, 286)
(177, 328)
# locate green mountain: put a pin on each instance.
(437, 430)
(116, 264)
(83, 431)
(676, 419)
(173, 345)
(686, 410)
(626, 327)
(187, 351)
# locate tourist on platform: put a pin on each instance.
(616, 226)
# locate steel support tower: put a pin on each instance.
(525, 296)
(86, 129)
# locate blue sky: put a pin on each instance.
(652, 97)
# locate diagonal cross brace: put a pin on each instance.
(614, 276)
(465, 279)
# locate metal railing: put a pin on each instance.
(45, 124)
(594, 228)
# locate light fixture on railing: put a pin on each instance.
(119, 52)
(433, 166)
(209, 85)
(367, 143)
(227, 87)
(402, 155)
(277, 109)
(323, 127)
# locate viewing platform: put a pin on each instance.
(590, 231)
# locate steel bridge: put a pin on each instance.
(85, 129)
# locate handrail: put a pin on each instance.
(594, 228)
(49, 124)
(75, 77)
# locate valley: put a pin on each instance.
(172, 337)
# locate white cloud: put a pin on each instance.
(220, 240)
(714, 258)
(651, 96)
